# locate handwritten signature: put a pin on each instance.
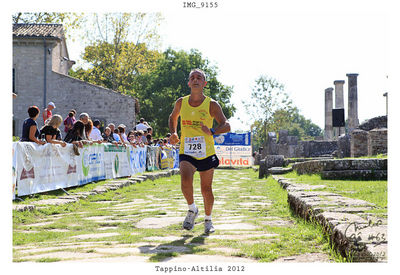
(355, 237)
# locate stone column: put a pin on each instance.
(353, 102)
(339, 104)
(328, 135)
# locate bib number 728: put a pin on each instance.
(194, 146)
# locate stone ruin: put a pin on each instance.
(367, 139)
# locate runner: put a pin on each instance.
(196, 151)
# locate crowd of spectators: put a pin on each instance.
(84, 131)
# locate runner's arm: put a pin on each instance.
(216, 112)
(173, 121)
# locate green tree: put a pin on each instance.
(267, 97)
(118, 53)
(159, 89)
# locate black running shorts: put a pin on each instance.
(203, 164)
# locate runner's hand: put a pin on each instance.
(174, 139)
(205, 129)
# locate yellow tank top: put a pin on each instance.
(193, 139)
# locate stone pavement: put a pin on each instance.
(352, 228)
(148, 228)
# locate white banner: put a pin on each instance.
(234, 155)
(47, 167)
(41, 168)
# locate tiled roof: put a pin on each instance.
(38, 30)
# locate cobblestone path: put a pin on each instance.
(142, 223)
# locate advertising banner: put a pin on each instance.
(167, 158)
(116, 162)
(232, 139)
(40, 168)
(47, 167)
(91, 164)
(234, 149)
(153, 155)
(137, 159)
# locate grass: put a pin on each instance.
(301, 237)
(371, 191)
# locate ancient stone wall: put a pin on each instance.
(356, 169)
(374, 123)
(358, 143)
(377, 142)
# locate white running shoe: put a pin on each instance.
(208, 227)
(188, 223)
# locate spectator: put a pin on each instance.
(47, 111)
(30, 130)
(75, 135)
(69, 121)
(150, 130)
(167, 136)
(144, 139)
(84, 117)
(122, 134)
(88, 129)
(139, 140)
(108, 137)
(95, 135)
(142, 125)
(50, 131)
(116, 135)
(148, 141)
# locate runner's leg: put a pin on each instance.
(206, 178)
(187, 172)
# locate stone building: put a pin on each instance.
(40, 75)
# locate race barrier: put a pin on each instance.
(234, 149)
(40, 168)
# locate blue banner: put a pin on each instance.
(232, 139)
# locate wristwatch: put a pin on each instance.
(212, 131)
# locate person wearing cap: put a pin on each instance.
(122, 134)
(47, 111)
(95, 134)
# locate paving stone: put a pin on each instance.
(94, 236)
(63, 255)
(122, 259)
(98, 218)
(40, 224)
(108, 228)
(254, 204)
(236, 226)
(241, 237)
(277, 223)
(164, 239)
(158, 222)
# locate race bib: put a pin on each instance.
(195, 147)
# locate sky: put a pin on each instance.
(305, 50)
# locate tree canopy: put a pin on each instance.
(159, 89)
(272, 110)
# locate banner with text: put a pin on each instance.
(234, 149)
(40, 168)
